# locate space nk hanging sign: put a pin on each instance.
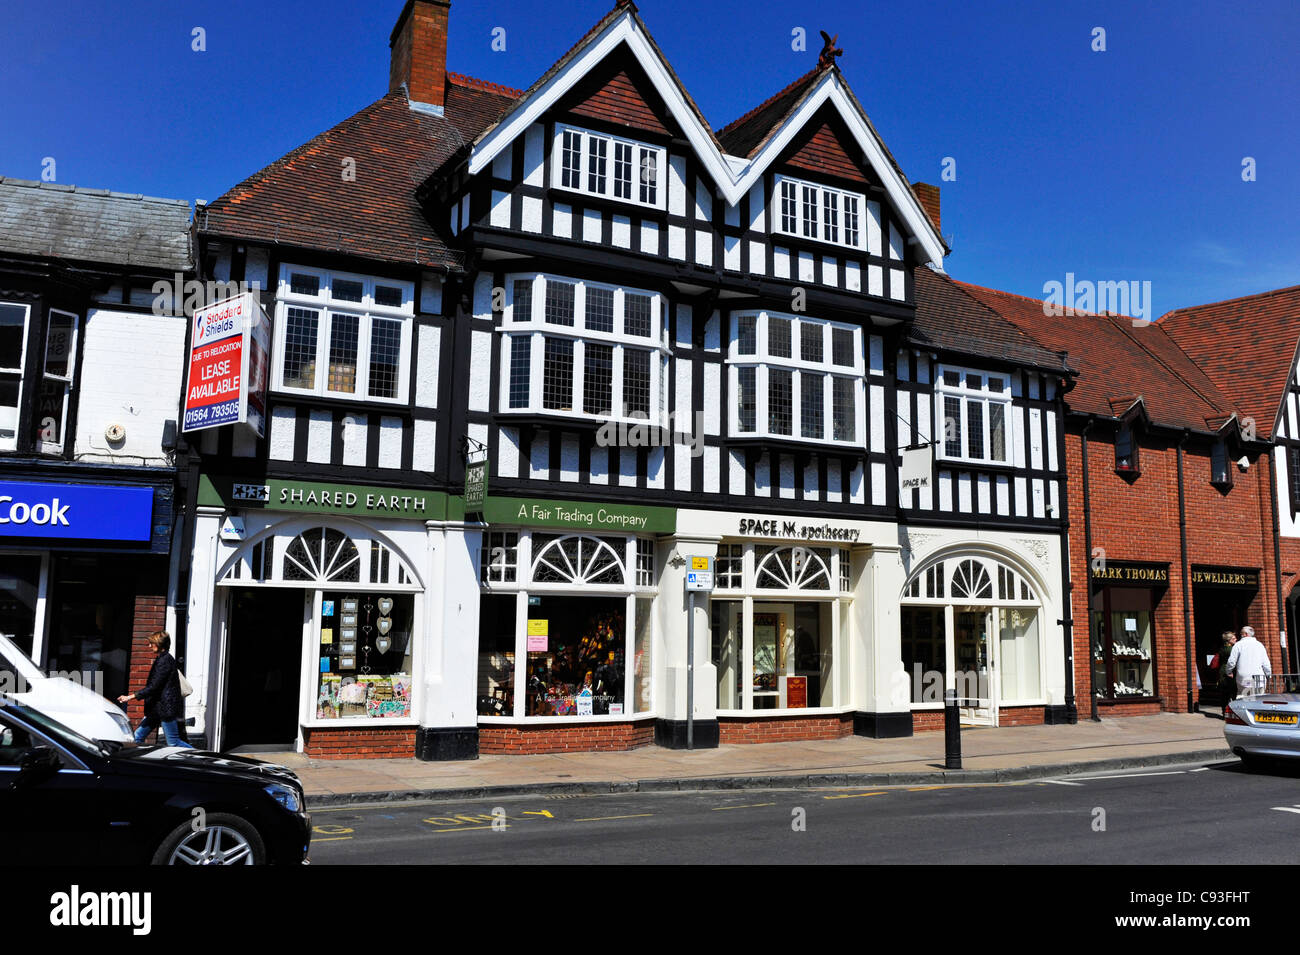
(230, 347)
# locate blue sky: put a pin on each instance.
(1116, 165)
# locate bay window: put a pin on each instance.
(820, 213)
(796, 377)
(343, 336)
(578, 348)
(973, 409)
(603, 165)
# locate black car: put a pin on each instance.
(65, 799)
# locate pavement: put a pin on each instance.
(988, 755)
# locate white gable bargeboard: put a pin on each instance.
(732, 182)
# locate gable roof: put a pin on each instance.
(746, 135)
(1247, 344)
(949, 318)
(94, 225)
(1119, 364)
(775, 123)
(302, 199)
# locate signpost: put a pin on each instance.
(699, 576)
(230, 349)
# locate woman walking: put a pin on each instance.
(163, 703)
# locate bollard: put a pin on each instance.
(951, 730)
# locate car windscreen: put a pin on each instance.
(54, 729)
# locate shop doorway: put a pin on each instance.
(263, 691)
(1215, 609)
(973, 664)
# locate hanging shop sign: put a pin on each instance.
(534, 512)
(476, 483)
(315, 497)
(230, 350)
(76, 511)
(1235, 578)
(917, 466)
(1129, 573)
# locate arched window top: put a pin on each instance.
(970, 579)
(792, 568)
(319, 555)
(578, 559)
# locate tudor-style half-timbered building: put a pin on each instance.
(668, 343)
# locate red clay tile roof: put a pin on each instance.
(744, 136)
(1118, 363)
(302, 199)
(949, 318)
(1248, 344)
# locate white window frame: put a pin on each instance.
(10, 444)
(538, 330)
(820, 195)
(639, 151)
(763, 362)
(968, 396)
(56, 447)
(366, 311)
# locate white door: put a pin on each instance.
(973, 666)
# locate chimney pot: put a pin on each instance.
(928, 196)
(418, 51)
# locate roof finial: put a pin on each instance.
(829, 50)
(625, 5)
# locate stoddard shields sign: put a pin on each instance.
(354, 500)
(1235, 577)
(1129, 573)
(535, 512)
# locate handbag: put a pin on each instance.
(187, 689)
(1214, 664)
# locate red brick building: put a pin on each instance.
(1170, 509)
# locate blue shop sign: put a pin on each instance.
(76, 511)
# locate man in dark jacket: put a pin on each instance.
(163, 704)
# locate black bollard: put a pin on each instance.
(951, 730)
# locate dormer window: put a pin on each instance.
(1126, 450)
(611, 167)
(1220, 465)
(820, 213)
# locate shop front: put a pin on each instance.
(1124, 602)
(320, 617)
(1222, 599)
(975, 620)
(84, 575)
(567, 631)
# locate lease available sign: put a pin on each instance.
(226, 384)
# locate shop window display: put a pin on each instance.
(496, 658)
(576, 656)
(19, 582)
(364, 642)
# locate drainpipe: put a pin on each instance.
(1187, 607)
(1087, 560)
(1277, 563)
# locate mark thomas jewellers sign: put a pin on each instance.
(1117, 572)
(76, 511)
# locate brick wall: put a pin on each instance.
(1138, 521)
(381, 743)
(931, 720)
(783, 729)
(150, 614)
(582, 738)
(418, 52)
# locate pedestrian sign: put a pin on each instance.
(699, 575)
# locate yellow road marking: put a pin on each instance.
(331, 830)
(470, 828)
(753, 805)
(544, 812)
(635, 815)
(922, 789)
(853, 795)
(331, 839)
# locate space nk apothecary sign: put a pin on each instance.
(230, 348)
(76, 511)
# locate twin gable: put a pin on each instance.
(617, 78)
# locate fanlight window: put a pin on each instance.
(969, 579)
(577, 559)
(322, 553)
(319, 555)
(793, 568)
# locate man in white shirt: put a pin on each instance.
(1249, 661)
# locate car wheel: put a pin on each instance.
(224, 840)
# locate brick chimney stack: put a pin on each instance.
(418, 45)
(928, 196)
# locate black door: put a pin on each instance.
(264, 668)
(1214, 610)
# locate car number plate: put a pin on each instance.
(1286, 719)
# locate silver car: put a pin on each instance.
(1267, 724)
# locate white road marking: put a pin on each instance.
(1061, 782)
(1200, 769)
(1286, 809)
(1176, 772)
